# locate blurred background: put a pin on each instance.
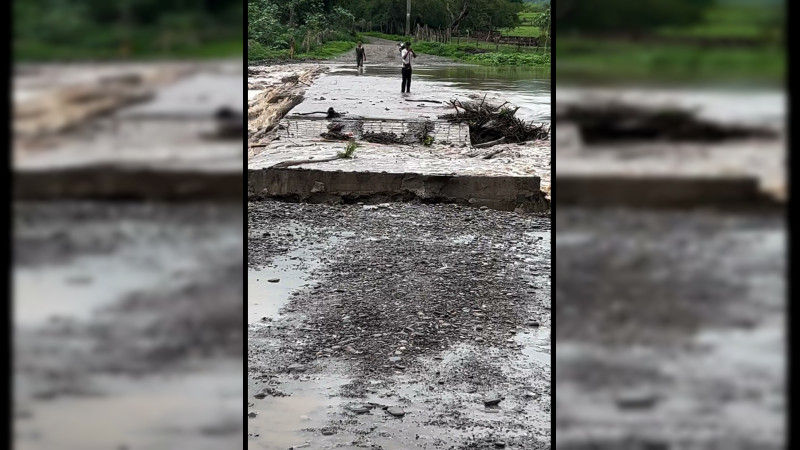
(127, 237)
(670, 187)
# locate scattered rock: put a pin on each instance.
(636, 399)
(492, 401)
(297, 368)
(395, 411)
(274, 280)
(359, 409)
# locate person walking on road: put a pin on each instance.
(407, 54)
(361, 56)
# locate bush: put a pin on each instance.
(257, 52)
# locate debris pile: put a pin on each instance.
(420, 132)
(336, 132)
(617, 121)
(490, 124)
(381, 137)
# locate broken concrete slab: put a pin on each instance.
(199, 95)
(323, 186)
(748, 174)
(113, 156)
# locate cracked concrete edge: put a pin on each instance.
(664, 192)
(116, 183)
(506, 193)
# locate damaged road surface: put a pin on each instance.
(670, 330)
(464, 136)
(127, 326)
(397, 326)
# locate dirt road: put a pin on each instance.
(382, 52)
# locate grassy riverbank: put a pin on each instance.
(477, 52)
(330, 49)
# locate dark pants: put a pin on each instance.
(406, 79)
(359, 62)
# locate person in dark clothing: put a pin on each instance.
(361, 56)
(407, 54)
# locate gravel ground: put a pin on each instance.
(124, 309)
(670, 330)
(388, 326)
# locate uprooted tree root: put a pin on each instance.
(494, 124)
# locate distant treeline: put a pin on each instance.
(48, 29)
(389, 16)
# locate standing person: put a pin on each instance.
(361, 56)
(407, 53)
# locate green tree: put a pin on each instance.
(626, 15)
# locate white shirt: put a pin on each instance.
(406, 55)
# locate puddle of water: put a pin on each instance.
(201, 410)
(85, 285)
(281, 421)
(536, 346)
(265, 298)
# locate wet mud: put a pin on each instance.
(400, 326)
(125, 313)
(670, 329)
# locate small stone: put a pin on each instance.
(297, 368)
(260, 395)
(492, 401)
(252, 414)
(359, 409)
(395, 358)
(636, 400)
(351, 350)
(328, 432)
(395, 411)
(274, 280)
(500, 444)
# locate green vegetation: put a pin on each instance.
(316, 29)
(734, 21)
(484, 53)
(477, 52)
(349, 150)
(389, 16)
(582, 59)
(613, 16)
(677, 48)
(528, 25)
(323, 29)
(131, 29)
